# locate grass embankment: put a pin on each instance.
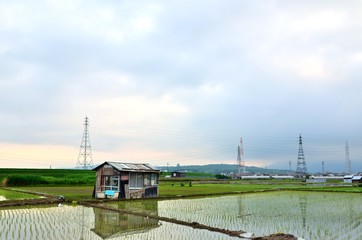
(12, 195)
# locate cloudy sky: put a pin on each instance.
(169, 82)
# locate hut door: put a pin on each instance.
(122, 193)
(124, 181)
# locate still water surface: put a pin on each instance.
(307, 215)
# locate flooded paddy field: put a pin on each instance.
(68, 222)
(303, 214)
(308, 215)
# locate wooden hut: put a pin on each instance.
(126, 180)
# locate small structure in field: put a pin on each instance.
(347, 178)
(178, 174)
(126, 180)
(356, 179)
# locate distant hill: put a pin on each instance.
(221, 168)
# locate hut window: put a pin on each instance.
(136, 180)
(154, 179)
(147, 180)
(110, 183)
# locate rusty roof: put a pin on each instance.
(130, 167)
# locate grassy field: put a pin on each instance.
(165, 190)
(78, 184)
(70, 192)
(26, 177)
(174, 189)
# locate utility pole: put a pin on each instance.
(323, 170)
(301, 164)
(85, 160)
(348, 161)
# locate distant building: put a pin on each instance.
(282, 177)
(126, 180)
(256, 177)
(347, 179)
(178, 174)
(356, 179)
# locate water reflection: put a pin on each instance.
(303, 210)
(305, 214)
(113, 224)
(308, 215)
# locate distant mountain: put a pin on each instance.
(221, 168)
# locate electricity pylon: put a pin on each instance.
(301, 164)
(85, 160)
(240, 162)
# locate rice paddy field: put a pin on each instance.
(304, 214)
(308, 215)
(68, 222)
(332, 211)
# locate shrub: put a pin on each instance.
(24, 180)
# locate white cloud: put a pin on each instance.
(233, 69)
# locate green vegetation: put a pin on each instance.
(32, 177)
(219, 169)
(79, 184)
(170, 189)
(12, 195)
(70, 192)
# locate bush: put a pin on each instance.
(221, 176)
(25, 180)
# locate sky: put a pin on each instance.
(180, 82)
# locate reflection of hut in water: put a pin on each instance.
(126, 180)
(111, 224)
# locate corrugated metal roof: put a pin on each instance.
(131, 167)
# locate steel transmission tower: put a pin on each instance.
(85, 153)
(301, 165)
(240, 163)
(348, 161)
